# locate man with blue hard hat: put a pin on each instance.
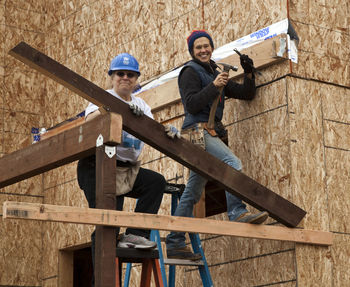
(132, 180)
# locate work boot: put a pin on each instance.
(183, 253)
(135, 241)
(248, 217)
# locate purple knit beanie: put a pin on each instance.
(195, 35)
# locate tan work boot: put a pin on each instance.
(248, 217)
(183, 253)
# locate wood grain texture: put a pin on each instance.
(114, 218)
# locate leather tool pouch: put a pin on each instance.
(195, 135)
(221, 132)
(126, 177)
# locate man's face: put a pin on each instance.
(124, 82)
(202, 50)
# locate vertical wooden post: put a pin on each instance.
(105, 250)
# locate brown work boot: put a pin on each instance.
(183, 253)
(248, 217)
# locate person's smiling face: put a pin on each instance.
(124, 83)
(202, 49)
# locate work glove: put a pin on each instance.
(172, 132)
(136, 109)
(246, 63)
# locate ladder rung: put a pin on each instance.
(184, 262)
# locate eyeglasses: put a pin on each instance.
(129, 75)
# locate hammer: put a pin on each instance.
(210, 126)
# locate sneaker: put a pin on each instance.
(257, 218)
(183, 253)
(135, 241)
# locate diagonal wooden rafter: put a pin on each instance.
(152, 133)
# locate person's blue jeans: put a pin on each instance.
(196, 184)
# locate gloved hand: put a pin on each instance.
(171, 131)
(246, 63)
(136, 109)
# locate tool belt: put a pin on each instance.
(126, 176)
(195, 134)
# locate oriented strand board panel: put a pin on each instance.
(323, 51)
(265, 13)
(314, 266)
(307, 151)
(220, 25)
(267, 98)
(331, 15)
(182, 27)
(233, 249)
(271, 136)
(336, 103)
(338, 186)
(256, 271)
(340, 254)
(31, 186)
(20, 248)
(60, 175)
(337, 135)
(24, 92)
(32, 20)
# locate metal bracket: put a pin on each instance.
(99, 141)
(110, 151)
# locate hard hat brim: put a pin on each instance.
(125, 68)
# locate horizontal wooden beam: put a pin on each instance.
(63, 127)
(47, 212)
(153, 133)
(264, 54)
(59, 149)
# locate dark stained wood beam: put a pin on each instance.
(60, 149)
(152, 133)
(106, 240)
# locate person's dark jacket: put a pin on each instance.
(198, 91)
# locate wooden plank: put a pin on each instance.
(105, 241)
(264, 54)
(59, 150)
(152, 133)
(65, 269)
(46, 212)
(63, 127)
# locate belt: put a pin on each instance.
(124, 163)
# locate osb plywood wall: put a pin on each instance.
(293, 137)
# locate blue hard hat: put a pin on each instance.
(124, 61)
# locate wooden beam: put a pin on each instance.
(60, 149)
(46, 212)
(63, 127)
(152, 133)
(105, 235)
(264, 54)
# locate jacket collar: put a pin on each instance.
(209, 67)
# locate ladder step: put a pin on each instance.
(184, 262)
